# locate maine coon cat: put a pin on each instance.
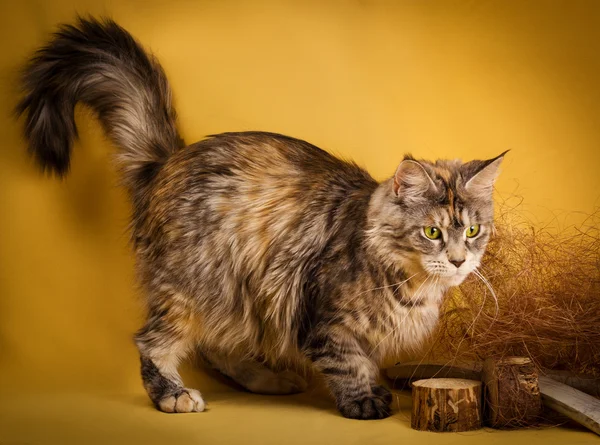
(264, 253)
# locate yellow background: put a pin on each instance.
(367, 80)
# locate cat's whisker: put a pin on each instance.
(417, 294)
(431, 286)
(390, 285)
(487, 283)
(396, 285)
(489, 286)
(453, 359)
(423, 358)
(484, 280)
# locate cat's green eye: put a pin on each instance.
(432, 232)
(472, 231)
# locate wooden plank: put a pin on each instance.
(418, 370)
(582, 408)
(589, 385)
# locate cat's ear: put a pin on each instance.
(481, 176)
(411, 180)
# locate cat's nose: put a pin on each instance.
(457, 263)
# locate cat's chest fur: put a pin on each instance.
(404, 321)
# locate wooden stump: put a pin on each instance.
(446, 405)
(402, 374)
(512, 394)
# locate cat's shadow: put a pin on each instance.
(219, 390)
(217, 387)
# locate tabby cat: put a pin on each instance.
(264, 253)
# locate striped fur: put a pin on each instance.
(264, 253)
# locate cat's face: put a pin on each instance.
(438, 217)
(450, 239)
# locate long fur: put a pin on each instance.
(262, 251)
(101, 65)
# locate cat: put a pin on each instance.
(262, 252)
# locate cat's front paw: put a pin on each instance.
(373, 406)
(382, 392)
(183, 401)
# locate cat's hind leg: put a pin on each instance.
(255, 376)
(167, 338)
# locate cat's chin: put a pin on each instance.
(454, 280)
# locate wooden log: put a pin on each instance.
(442, 405)
(402, 374)
(511, 392)
(576, 405)
(572, 403)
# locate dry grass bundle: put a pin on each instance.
(545, 302)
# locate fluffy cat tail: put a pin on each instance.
(98, 63)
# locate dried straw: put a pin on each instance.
(547, 298)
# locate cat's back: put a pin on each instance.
(259, 198)
(271, 153)
(261, 173)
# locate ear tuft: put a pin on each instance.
(481, 176)
(411, 180)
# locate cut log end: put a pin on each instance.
(446, 405)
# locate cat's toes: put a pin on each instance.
(184, 401)
(369, 407)
(382, 392)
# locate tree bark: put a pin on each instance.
(442, 405)
(512, 393)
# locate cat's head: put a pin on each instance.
(436, 218)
